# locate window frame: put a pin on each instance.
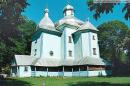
(94, 37)
(35, 41)
(70, 53)
(51, 53)
(35, 52)
(94, 51)
(70, 39)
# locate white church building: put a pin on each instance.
(68, 47)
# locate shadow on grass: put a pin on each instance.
(98, 84)
(13, 82)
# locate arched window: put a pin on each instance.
(70, 53)
(93, 37)
(70, 39)
(35, 41)
(51, 53)
(94, 51)
(35, 52)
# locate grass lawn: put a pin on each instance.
(66, 81)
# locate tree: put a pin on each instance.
(10, 18)
(100, 8)
(127, 46)
(21, 44)
(27, 29)
(10, 36)
(111, 42)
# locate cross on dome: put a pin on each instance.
(46, 11)
(68, 1)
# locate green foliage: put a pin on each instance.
(10, 18)
(10, 11)
(100, 8)
(112, 43)
(123, 58)
(21, 44)
(2, 50)
(27, 30)
(15, 31)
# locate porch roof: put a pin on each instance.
(51, 62)
(24, 60)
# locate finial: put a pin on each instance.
(46, 11)
(68, 1)
(46, 8)
(46, 5)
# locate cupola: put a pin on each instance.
(68, 10)
(46, 22)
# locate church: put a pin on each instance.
(67, 48)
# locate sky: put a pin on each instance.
(35, 11)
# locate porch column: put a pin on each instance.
(63, 71)
(58, 72)
(72, 71)
(34, 70)
(17, 70)
(101, 70)
(47, 71)
(87, 71)
(11, 71)
(79, 70)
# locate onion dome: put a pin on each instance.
(46, 22)
(69, 17)
(68, 10)
(88, 25)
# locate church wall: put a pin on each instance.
(94, 44)
(41, 73)
(90, 42)
(51, 47)
(67, 73)
(36, 45)
(83, 73)
(77, 46)
(74, 73)
(63, 42)
(23, 73)
(53, 74)
(86, 45)
(68, 46)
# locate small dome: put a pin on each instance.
(88, 25)
(46, 22)
(46, 10)
(68, 10)
(69, 17)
